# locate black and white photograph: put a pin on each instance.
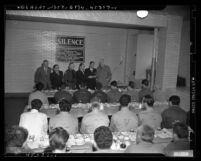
(99, 79)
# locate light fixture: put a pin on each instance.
(142, 13)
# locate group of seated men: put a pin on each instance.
(98, 123)
(83, 95)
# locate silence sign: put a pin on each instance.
(70, 48)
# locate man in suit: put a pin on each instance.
(42, 75)
(145, 90)
(82, 95)
(180, 139)
(103, 74)
(64, 119)
(70, 76)
(90, 75)
(114, 94)
(173, 113)
(144, 142)
(99, 93)
(80, 75)
(34, 121)
(56, 77)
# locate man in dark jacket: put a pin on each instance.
(173, 114)
(99, 93)
(70, 76)
(90, 74)
(42, 75)
(56, 77)
(82, 95)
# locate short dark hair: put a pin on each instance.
(58, 138)
(125, 100)
(16, 136)
(36, 104)
(80, 65)
(175, 100)
(95, 99)
(55, 65)
(149, 100)
(63, 85)
(145, 82)
(113, 83)
(91, 62)
(45, 60)
(82, 85)
(180, 129)
(131, 84)
(98, 86)
(147, 133)
(65, 105)
(39, 86)
(103, 137)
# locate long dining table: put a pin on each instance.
(79, 110)
(83, 143)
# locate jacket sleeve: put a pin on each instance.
(109, 73)
(37, 75)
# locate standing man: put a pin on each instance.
(42, 75)
(103, 74)
(90, 75)
(70, 76)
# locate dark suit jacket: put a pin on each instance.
(70, 78)
(100, 94)
(91, 82)
(144, 92)
(82, 96)
(172, 114)
(80, 77)
(43, 77)
(56, 80)
(62, 94)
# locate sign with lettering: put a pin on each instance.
(70, 48)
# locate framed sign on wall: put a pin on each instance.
(70, 48)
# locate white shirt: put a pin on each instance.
(35, 122)
(38, 95)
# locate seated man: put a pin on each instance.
(64, 119)
(58, 138)
(34, 121)
(144, 142)
(103, 140)
(173, 113)
(145, 90)
(132, 92)
(94, 119)
(180, 139)
(82, 95)
(150, 116)
(38, 94)
(15, 138)
(124, 120)
(63, 94)
(113, 94)
(99, 93)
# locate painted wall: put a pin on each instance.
(184, 58)
(29, 43)
(144, 55)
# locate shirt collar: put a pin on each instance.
(34, 111)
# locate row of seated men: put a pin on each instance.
(103, 139)
(123, 120)
(84, 96)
